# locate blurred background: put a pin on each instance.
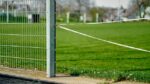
(75, 10)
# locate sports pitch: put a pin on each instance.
(23, 46)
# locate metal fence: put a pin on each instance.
(22, 11)
(23, 34)
(27, 36)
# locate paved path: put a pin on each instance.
(60, 78)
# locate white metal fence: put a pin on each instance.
(23, 36)
(22, 11)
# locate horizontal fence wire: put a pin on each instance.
(22, 35)
(32, 47)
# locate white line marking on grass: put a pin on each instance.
(110, 42)
(16, 46)
(21, 58)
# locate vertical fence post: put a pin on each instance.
(68, 17)
(97, 17)
(84, 18)
(7, 11)
(51, 38)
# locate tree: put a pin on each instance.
(93, 11)
(83, 5)
(141, 6)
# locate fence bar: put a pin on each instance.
(68, 17)
(51, 31)
(84, 18)
(7, 11)
(97, 17)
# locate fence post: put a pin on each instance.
(7, 12)
(68, 17)
(84, 17)
(51, 38)
(97, 17)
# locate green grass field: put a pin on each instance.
(79, 55)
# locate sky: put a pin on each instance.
(112, 3)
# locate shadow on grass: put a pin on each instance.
(146, 69)
(105, 59)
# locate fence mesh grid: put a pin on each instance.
(22, 34)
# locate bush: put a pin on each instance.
(13, 19)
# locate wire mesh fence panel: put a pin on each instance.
(23, 34)
(22, 11)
